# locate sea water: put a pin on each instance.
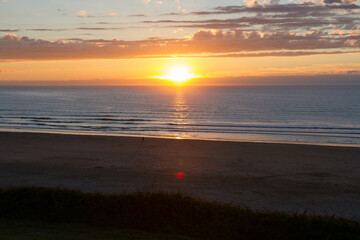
(298, 114)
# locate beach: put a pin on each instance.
(317, 179)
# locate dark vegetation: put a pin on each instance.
(166, 213)
(30, 230)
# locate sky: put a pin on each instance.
(224, 42)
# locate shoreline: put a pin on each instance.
(4, 130)
(323, 180)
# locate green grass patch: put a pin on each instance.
(166, 213)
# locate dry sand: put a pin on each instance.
(286, 177)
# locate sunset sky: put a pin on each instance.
(114, 42)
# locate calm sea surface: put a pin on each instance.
(306, 114)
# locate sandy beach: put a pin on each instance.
(264, 176)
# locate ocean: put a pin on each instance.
(296, 114)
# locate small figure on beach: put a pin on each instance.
(142, 139)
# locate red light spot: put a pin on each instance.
(180, 175)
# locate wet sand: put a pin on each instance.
(263, 176)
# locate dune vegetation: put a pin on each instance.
(79, 215)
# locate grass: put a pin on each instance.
(19, 230)
(163, 213)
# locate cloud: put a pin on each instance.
(251, 22)
(332, 1)
(47, 29)
(86, 14)
(97, 28)
(204, 42)
(252, 3)
(279, 54)
(275, 17)
(137, 15)
(156, 2)
(83, 13)
(64, 29)
(349, 1)
(300, 9)
(9, 30)
(112, 14)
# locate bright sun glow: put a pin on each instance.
(178, 75)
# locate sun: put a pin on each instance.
(178, 75)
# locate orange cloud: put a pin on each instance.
(202, 43)
(83, 13)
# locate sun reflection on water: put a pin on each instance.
(181, 116)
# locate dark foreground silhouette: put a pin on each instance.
(167, 213)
